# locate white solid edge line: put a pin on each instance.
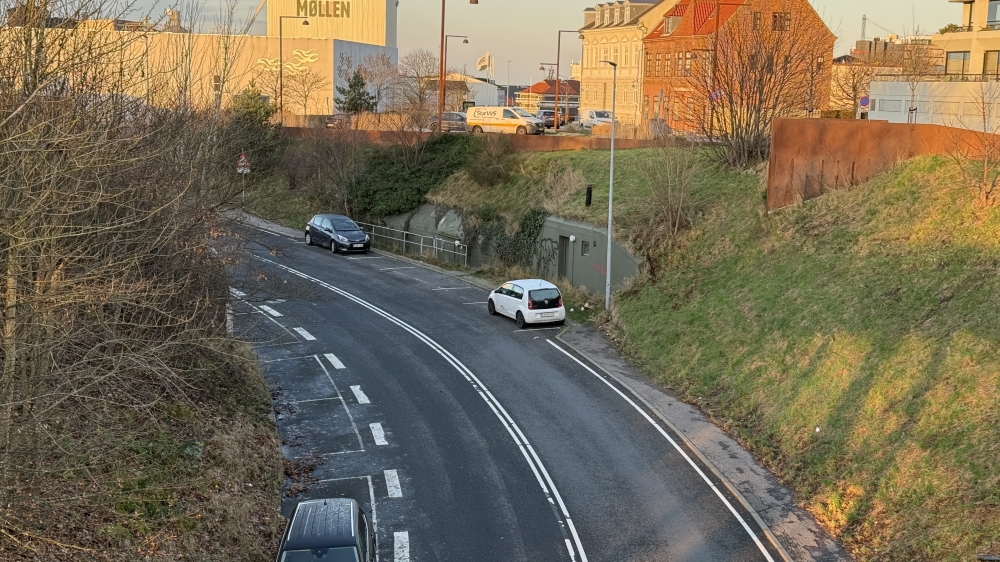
(270, 311)
(392, 484)
(395, 268)
(305, 335)
(401, 546)
(453, 288)
(360, 395)
(544, 480)
(484, 302)
(378, 433)
(676, 446)
(334, 361)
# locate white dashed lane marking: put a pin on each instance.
(378, 434)
(392, 484)
(270, 311)
(334, 361)
(237, 294)
(360, 395)
(401, 546)
(305, 335)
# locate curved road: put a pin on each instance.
(471, 439)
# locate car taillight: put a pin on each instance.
(560, 300)
(531, 304)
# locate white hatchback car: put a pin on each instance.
(528, 301)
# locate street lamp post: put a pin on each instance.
(465, 40)
(611, 184)
(506, 91)
(441, 68)
(281, 65)
(558, 60)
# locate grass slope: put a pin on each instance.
(852, 343)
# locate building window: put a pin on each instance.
(667, 70)
(819, 65)
(781, 21)
(645, 106)
(628, 55)
(890, 106)
(615, 51)
(649, 64)
(947, 107)
(680, 64)
(659, 63)
(618, 13)
(635, 55)
(688, 57)
(993, 13)
(584, 248)
(991, 64)
(957, 63)
(758, 20)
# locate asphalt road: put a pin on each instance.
(468, 438)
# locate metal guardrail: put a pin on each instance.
(404, 242)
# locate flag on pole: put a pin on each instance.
(485, 62)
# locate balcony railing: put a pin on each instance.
(937, 78)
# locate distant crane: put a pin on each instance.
(864, 27)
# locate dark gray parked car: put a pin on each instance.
(330, 530)
(338, 233)
(451, 122)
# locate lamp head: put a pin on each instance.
(305, 22)
(473, 1)
(466, 41)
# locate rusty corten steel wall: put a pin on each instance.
(810, 157)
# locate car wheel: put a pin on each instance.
(520, 320)
(477, 129)
(309, 240)
(522, 131)
(491, 308)
(560, 323)
(333, 246)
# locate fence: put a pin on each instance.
(403, 242)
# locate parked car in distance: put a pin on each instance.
(338, 233)
(528, 301)
(451, 122)
(510, 120)
(328, 530)
(594, 117)
(548, 117)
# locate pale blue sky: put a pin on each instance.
(524, 31)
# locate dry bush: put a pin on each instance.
(126, 410)
(656, 227)
(493, 160)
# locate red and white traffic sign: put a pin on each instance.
(243, 166)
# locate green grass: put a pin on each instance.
(870, 314)
(271, 199)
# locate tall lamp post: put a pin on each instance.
(611, 184)
(506, 90)
(281, 64)
(465, 40)
(441, 68)
(558, 60)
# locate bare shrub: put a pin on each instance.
(493, 160)
(656, 227)
(976, 154)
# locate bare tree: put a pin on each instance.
(300, 87)
(976, 154)
(759, 72)
(919, 59)
(414, 91)
(379, 73)
(852, 79)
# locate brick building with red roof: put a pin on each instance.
(678, 69)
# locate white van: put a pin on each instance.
(510, 120)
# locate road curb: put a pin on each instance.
(691, 446)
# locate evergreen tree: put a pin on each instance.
(355, 98)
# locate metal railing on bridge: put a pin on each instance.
(401, 241)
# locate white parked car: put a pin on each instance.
(528, 301)
(595, 117)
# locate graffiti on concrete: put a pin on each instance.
(546, 255)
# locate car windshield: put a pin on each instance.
(342, 554)
(345, 225)
(522, 112)
(602, 114)
(544, 294)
